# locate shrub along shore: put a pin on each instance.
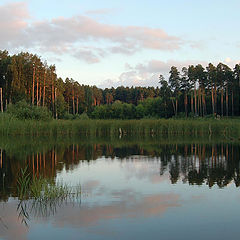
(225, 128)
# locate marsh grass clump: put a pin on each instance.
(42, 197)
(44, 190)
(23, 184)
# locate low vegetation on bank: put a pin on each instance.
(10, 125)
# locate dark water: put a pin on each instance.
(129, 191)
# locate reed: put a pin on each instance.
(42, 196)
(10, 126)
(43, 190)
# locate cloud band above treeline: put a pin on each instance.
(78, 35)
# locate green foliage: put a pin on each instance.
(83, 116)
(151, 108)
(102, 112)
(140, 111)
(117, 110)
(61, 106)
(68, 116)
(22, 111)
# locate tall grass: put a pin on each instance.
(42, 190)
(10, 126)
(41, 196)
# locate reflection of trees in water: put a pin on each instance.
(194, 163)
(201, 164)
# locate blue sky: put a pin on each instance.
(107, 43)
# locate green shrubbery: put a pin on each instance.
(149, 108)
(68, 116)
(22, 110)
(82, 116)
(117, 110)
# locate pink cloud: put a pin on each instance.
(13, 18)
(67, 35)
(129, 207)
(10, 225)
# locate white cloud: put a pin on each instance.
(68, 35)
(147, 74)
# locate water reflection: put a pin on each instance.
(132, 183)
(194, 164)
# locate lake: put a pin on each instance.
(130, 189)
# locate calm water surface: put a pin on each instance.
(129, 191)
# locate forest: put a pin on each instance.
(193, 91)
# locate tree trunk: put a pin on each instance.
(192, 102)
(227, 101)
(77, 105)
(56, 114)
(37, 87)
(213, 102)
(215, 98)
(222, 102)
(174, 109)
(232, 105)
(40, 95)
(199, 102)
(44, 89)
(1, 99)
(204, 102)
(186, 103)
(52, 97)
(33, 85)
(73, 104)
(68, 105)
(195, 93)
(176, 106)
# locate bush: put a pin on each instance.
(22, 110)
(180, 115)
(83, 116)
(68, 116)
(61, 106)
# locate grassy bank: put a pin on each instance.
(229, 128)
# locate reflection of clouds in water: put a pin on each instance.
(142, 167)
(11, 226)
(114, 203)
(197, 198)
(122, 204)
(90, 185)
(158, 178)
(125, 194)
(130, 207)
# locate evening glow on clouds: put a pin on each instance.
(111, 43)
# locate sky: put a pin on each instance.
(128, 42)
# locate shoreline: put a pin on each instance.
(225, 128)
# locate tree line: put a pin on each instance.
(192, 91)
